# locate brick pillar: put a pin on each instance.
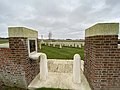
(19, 47)
(16, 69)
(102, 56)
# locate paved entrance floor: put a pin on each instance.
(60, 80)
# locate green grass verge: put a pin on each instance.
(63, 53)
(3, 41)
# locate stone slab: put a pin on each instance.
(22, 32)
(59, 80)
(102, 29)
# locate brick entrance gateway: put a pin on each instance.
(102, 56)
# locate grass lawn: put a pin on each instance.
(63, 53)
(3, 41)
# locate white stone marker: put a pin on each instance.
(76, 69)
(40, 45)
(48, 44)
(53, 45)
(45, 44)
(43, 67)
(60, 46)
(76, 45)
(80, 46)
(72, 45)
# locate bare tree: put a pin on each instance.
(50, 35)
(42, 37)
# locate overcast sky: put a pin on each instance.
(64, 18)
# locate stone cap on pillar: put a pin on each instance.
(102, 29)
(22, 32)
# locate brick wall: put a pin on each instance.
(20, 54)
(102, 62)
(1, 83)
(11, 73)
(16, 69)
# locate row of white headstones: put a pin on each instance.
(61, 44)
(76, 68)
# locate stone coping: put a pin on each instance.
(22, 32)
(60, 60)
(102, 29)
(4, 45)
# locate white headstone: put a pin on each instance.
(48, 44)
(53, 45)
(72, 45)
(45, 43)
(43, 67)
(69, 45)
(60, 46)
(76, 69)
(80, 46)
(40, 45)
(76, 45)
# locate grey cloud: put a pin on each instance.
(64, 18)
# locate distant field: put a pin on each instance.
(3, 41)
(63, 53)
